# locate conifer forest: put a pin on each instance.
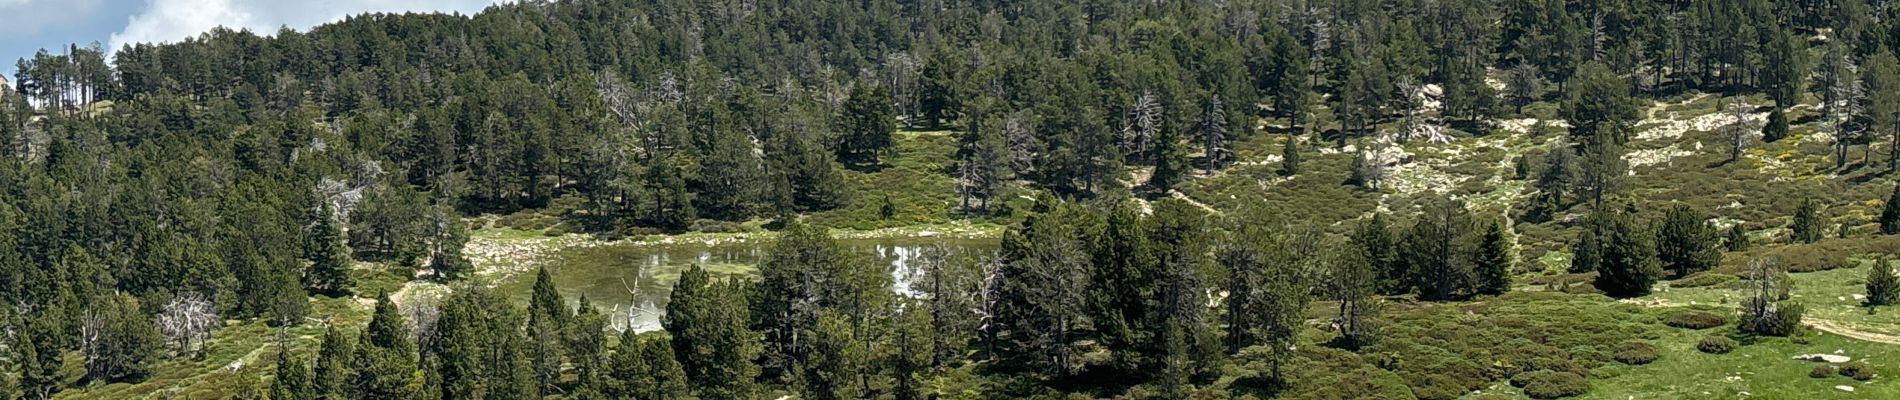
(965, 199)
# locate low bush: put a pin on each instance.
(1635, 353)
(1823, 255)
(1858, 370)
(1716, 345)
(716, 226)
(1821, 371)
(1436, 387)
(1543, 384)
(1785, 321)
(1692, 319)
(1703, 279)
(1589, 357)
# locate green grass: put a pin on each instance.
(1444, 350)
(916, 180)
(1828, 295)
(252, 342)
(1762, 369)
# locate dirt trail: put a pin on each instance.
(1824, 325)
(1838, 328)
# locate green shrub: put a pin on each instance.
(1703, 279)
(1588, 357)
(1692, 319)
(1783, 322)
(715, 226)
(1436, 387)
(1716, 345)
(1821, 371)
(1553, 365)
(1858, 370)
(1550, 385)
(1635, 353)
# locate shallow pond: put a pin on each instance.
(631, 282)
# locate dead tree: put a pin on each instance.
(186, 322)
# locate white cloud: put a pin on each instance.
(28, 17)
(173, 20)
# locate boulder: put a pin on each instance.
(1826, 358)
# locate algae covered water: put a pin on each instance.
(632, 281)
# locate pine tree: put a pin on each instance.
(449, 234)
(329, 256)
(124, 344)
(1288, 76)
(804, 178)
(385, 365)
(507, 370)
(1268, 297)
(1349, 281)
(866, 124)
(1044, 291)
(644, 368)
(586, 342)
(838, 360)
(1521, 86)
(1552, 184)
(1187, 346)
(1783, 75)
(1213, 135)
(951, 284)
(708, 323)
(1375, 240)
(1495, 261)
(1126, 275)
(805, 272)
(671, 206)
(547, 324)
(1598, 105)
(1807, 222)
(1290, 156)
(10, 383)
(1890, 213)
(911, 351)
(39, 354)
(331, 375)
(1880, 86)
(729, 183)
(1168, 161)
(1776, 128)
(1882, 288)
(462, 331)
(1437, 249)
(1686, 242)
(983, 161)
(1737, 239)
(1586, 253)
(293, 378)
(1628, 266)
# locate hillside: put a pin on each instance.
(587, 199)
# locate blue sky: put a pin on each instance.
(29, 25)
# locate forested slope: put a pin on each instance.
(1203, 199)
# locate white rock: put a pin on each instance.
(1827, 358)
(1844, 388)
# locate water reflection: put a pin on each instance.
(632, 282)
